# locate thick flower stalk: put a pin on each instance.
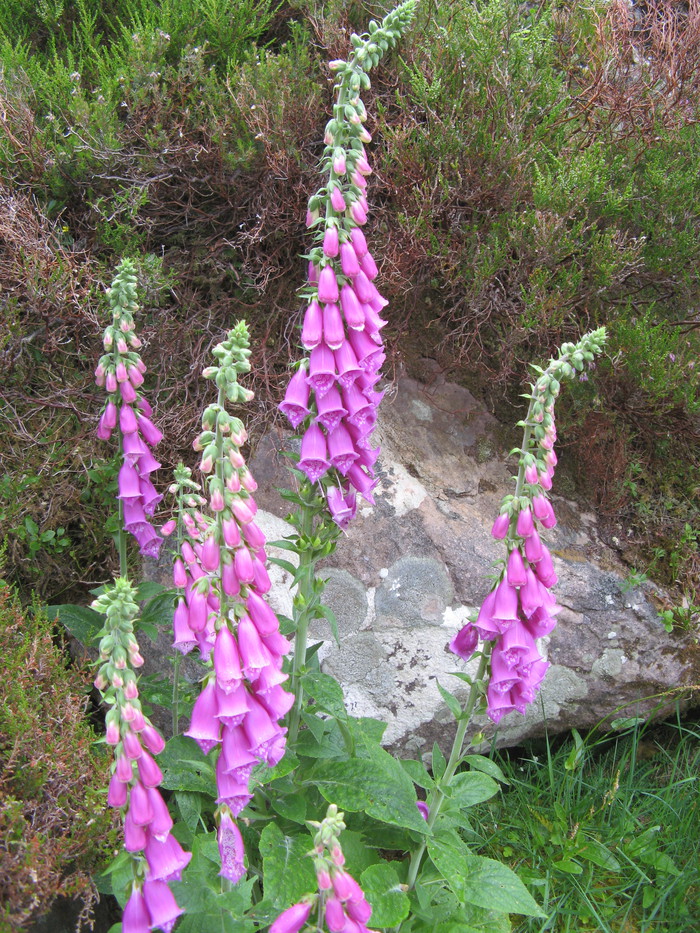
(520, 608)
(334, 392)
(120, 371)
(157, 856)
(221, 573)
(340, 904)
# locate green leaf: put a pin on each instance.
(83, 623)
(372, 786)
(569, 866)
(595, 852)
(358, 854)
(390, 905)
(329, 616)
(262, 774)
(291, 807)
(288, 872)
(149, 589)
(157, 614)
(326, 692)
(483, 882)
(316, 726)
(480, 763)
(190, 807)
(438, 762)
(185, 768)
(471, 787)
(418, 773)
(453, 703)
(284, 564)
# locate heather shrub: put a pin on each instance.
(537, 176)
(53, 822)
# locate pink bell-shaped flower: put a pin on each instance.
(347, 366)
(161, 904)
(312, 330)
(330, 241)
(327, 285)
(322, 372)
(516, 568)
(333, 330)
(465, 642)
(314, 461)
(501, 526)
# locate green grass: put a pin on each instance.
(606, 832)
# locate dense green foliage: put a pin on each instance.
(533, 182)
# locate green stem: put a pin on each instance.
(301, 618)
(438, 795)
(121, 534)
(176, 692)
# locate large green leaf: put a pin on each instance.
(186, 768)
(480, 881)
(418, 773)
(381, 790)
(326, 693)
(481, 763)
(472, 787)
(83, 623)
(287, 871)
(390, 905)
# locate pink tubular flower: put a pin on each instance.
(314, 453)
(465, 641)
(516, 568)
(230, 848)
(136, 918)
(292, 919)
(161, 905)
(501, 526)
(327, 285)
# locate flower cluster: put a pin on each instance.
(157, 856)
(120, 371)
(340, 899)
(336, 388)
(222, 575)
(520, 609)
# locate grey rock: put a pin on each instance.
(409, 569)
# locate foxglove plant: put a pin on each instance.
(120, 372)
(520, 608)
(340, 902)
(333, 397)
(220, 571)
(333, 394)
(156, 855)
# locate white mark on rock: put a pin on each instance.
(406, 491)
(612, 634)
(384, 573)
(421, 410)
